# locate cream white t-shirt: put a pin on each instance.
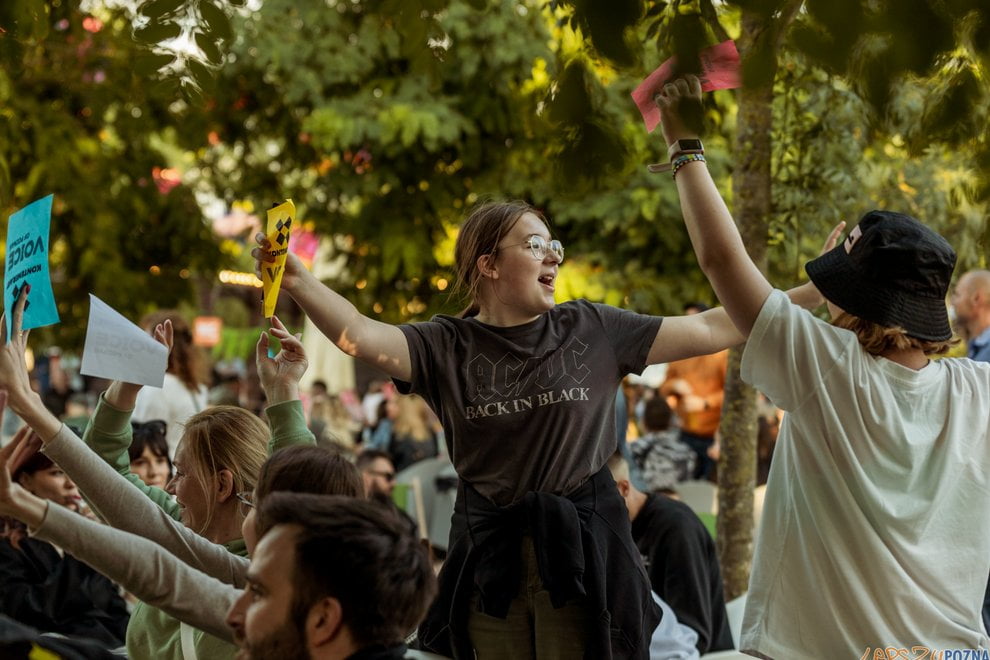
(876, 526)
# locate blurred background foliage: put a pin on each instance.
(385, 120)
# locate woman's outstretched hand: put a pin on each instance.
(807, 295)
(15, 501)
(13, 366)
(264, 259)
(833, 238)
(280, 375)
(123, 395)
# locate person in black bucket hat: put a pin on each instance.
(893, 271)
(873, 529)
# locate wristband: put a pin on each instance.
(683, 160)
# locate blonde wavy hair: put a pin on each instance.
(877, 339)
(224, 437)
(411, 418)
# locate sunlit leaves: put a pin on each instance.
(147, 64)
(879, 44)
(215, 20)
(208, 46)
(831, 164)
(956, 109)
(571, 102)
(156, 32)
(609, 26)
(157, 10)
(81, 120)
(170, 27)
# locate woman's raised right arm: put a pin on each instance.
(378, 344)
(119, 503)
(143, 568)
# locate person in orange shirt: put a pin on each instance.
(696, 387)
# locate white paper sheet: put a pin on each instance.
(119, 350)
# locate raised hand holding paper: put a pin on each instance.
(27, 263)
(719, 70)
(280, 221)
(119, 350)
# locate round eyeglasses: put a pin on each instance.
(539, 246)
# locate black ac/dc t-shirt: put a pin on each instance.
(529, 407)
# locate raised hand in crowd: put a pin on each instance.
(15, 500)
(123, 395)
(380, 344)
(280, 374)
(14, 377)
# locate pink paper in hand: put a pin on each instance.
(719, 70)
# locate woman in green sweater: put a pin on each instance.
(220, 455)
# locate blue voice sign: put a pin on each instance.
(27, 263)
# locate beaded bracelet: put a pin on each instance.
(683, 160)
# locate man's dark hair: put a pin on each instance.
(360, 553)
(308, 469)
(369, 456)
(656, 414)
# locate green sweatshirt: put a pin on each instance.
(152, 634)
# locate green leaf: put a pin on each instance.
(656, 9)
(608, 23)
(150, 63)
(156, 9)
(193, 93)
(216, 19)
(209, 48)
(572, 103)
(654, 29)
(158, 32)
(204, 76)
(166, 87)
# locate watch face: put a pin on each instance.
(689, 145)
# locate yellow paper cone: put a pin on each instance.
(280, 221)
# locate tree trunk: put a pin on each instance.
(751, 199)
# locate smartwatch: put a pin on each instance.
(685, 146)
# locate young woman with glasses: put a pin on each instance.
(525, 389)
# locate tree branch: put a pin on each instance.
(779, 27)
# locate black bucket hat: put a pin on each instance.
(896, 274)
